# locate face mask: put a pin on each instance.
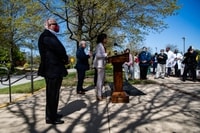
(162, 53)
(144, 49)
(57, 28)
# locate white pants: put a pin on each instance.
(160, 70)
(100, 81)
(128, 70)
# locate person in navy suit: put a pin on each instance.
(144, 58)
(82, 65)
(53, 58)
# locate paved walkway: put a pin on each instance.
(172, 106)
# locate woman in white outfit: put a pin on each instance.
(99, 64)
(136, 67)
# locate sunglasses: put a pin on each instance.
(53, 24)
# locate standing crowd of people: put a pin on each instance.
(166, 63)
(53, 58)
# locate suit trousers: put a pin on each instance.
(52, 97)
(100, 81)
(95, 76)
(81, 77)
(187, 69)
(143, 71)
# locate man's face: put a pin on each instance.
(144, 49)
(52, 24)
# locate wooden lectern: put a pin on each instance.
(118, 95)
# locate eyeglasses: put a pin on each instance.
(53, 24)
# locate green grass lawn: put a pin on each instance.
(69, 80)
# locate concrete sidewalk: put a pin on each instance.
(171, 106)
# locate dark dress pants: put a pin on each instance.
(177, 71)
(143, 71)
(169, 69)
(95, 76)
(189, 68)
(52, 97)
(81, 77)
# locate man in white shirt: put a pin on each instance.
(170, 60)
(177, 63)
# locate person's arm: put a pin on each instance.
(80, 54)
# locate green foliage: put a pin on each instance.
(20, 22)
(121, 18)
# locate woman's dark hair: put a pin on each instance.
(128, 50)
(101, 37)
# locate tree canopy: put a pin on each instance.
(20, 21)
(120, 18)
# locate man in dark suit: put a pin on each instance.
(144, 58)
(52, 68)
(82, 66)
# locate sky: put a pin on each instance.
(185, 24)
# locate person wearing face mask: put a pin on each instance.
(53, 58)
(145, 59)
(170, 61)
(82, 65)
(177, 63)
(190, 63)
(161, 58)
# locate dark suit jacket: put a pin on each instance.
(53, 56)
(82, 60)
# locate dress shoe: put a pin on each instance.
(81, 92)
(84, 90)
(58, 121)
(100, 98)
(59, 116)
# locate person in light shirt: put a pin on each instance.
(177, 63)
(100, 63)
(170, 60)
(128, 66)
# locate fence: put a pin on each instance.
(6, 77)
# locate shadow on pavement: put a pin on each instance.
(152, 109)
(72, 107)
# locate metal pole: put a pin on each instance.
(9, 82)
(32, 68)
(183, 45)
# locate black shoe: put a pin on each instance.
(81, 92)
(84, 90)
(58, 121)
(59, 116)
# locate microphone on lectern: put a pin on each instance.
(118, 49)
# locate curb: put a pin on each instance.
(25, 96)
